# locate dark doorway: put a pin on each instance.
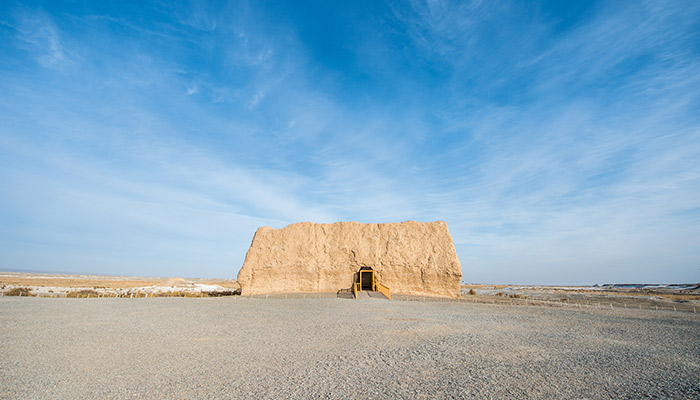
(366, 278)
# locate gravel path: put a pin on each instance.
(336, 348)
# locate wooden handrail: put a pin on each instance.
(385, 291)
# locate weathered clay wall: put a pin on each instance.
(409, 257)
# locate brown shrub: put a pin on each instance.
(18, 291)
(81, 294)
(236, 292)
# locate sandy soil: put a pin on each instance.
(329, 348)
(574, 296)
(56, 285)
(91, 281)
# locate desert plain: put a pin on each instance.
(523, 343)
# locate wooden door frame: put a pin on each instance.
(372, 283)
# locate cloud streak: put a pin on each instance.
(558, 147)
(39, 36)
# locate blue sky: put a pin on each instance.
(558, 140)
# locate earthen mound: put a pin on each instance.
(410, 257)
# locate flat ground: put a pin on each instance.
(254, 348)
(97, 281)
(61, 285)
(651, 298)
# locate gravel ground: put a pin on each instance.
(336, 348)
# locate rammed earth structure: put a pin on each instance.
(415, 258)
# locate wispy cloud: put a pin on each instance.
(558, 152)
(588, 162)
(193, 89)
(39, 35)
(255, 101)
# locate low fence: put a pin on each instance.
(599, 304)
(502, 301)
(385, 291)
(581, 304)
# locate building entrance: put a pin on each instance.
(366, 279)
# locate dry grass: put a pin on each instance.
(507, 296)
(100, 282)
(82, 294)
(91, 282)
(473, 286)
(18, 291)
(184, 293)
(632, 293)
